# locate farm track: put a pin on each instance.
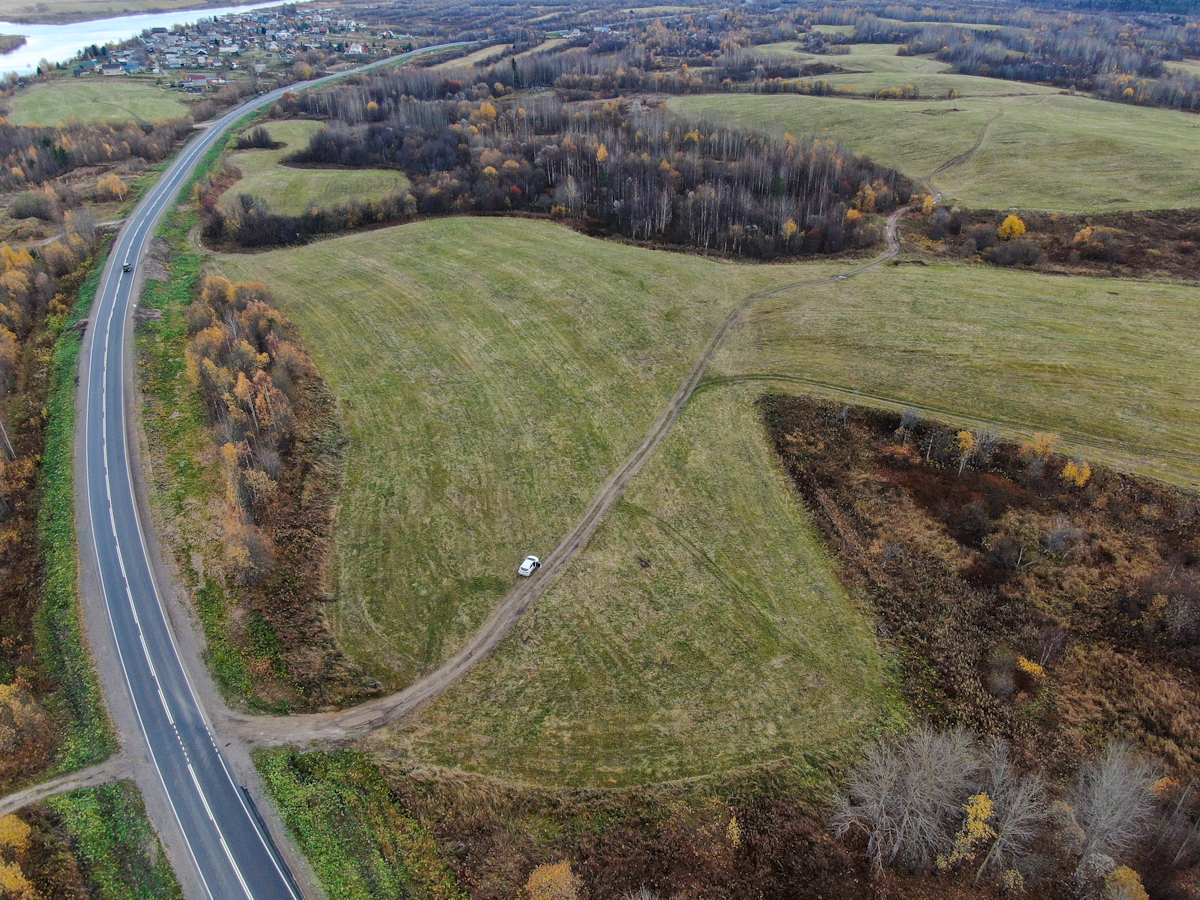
(350, 724)
(112, 769)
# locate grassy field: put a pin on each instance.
(492, 373)
(702, 629)
(872, 68)
(357, 837)
(1098, 360)
(471, 59)
(95, 100)
(290, 190)
(1038, 151)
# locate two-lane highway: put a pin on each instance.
(231, 855)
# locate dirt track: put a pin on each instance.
(360, 720)
(112, 769)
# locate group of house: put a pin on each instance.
(220, 43)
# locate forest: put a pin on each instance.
(631, 169)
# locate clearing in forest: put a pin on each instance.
(289, 190)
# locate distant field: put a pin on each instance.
(1040, 151)
(493, 373)
(702, 629)
(1100, 361)
(94, 100)
(877, 67)
(471, 59)
(543, 47)
(291, 190)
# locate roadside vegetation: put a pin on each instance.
(361, 842)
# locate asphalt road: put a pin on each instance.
(228, 848)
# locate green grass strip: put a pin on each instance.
(118, 852)
(353, 831)
(87, 735)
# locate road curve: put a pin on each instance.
(224, 842)
(360, 720)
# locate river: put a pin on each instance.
(60, 43)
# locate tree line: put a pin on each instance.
(632, 169)
(1114, 59)
(271, 420)
(31, 154)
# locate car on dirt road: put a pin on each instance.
(529, 565)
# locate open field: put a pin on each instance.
(544, 47)
(492, 373)
(471, 59)
(1039, 151)
(877, 67)
(1100, 361)
(95, 100)
(80, 10)
(291, 190)
(702, 629)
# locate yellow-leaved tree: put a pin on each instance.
(1011, 227)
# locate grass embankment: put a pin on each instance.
(290, 191)
(352, 830)
(65, 100)
(85, 735)
(1040, 151)
(701, 630)
(1100, 361)
(119, 854)
(492, 373)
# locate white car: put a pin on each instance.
(530, 565)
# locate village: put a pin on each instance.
(207, 54)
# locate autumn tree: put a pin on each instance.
(1012, 227)
(111, 187)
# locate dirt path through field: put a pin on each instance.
(360, 720)
(112, 769)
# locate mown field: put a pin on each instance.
(1102, 362)
(702, 629)
(291, 190)
(1035, 150)
(492, 373)
(95, 100)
